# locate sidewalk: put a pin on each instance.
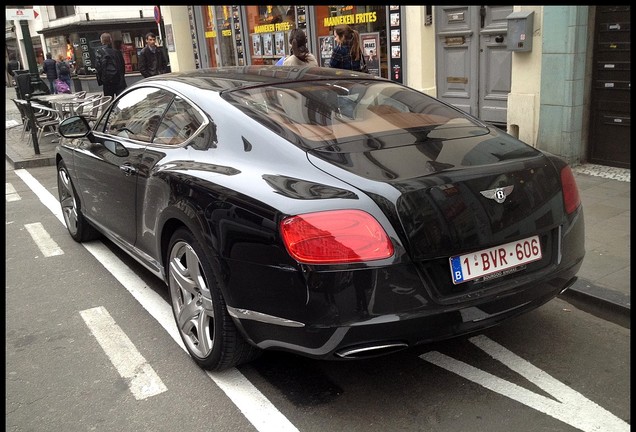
(603, 282)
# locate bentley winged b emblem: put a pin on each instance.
(498, 194)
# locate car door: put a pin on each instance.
(109, 160)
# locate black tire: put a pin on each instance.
(199, 309)
(76, 224)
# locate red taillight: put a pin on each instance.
(334, 237)
(571, 198)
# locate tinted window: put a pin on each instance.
(137, 114)
(179, 123)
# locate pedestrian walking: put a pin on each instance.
(110, 66)
(300, 55)
(64, 71)
(151, 59)
(346, 52)
(12, 66)
(49, 68)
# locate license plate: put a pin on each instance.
(496, 261)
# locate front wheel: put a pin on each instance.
(199, 309)
(78, 227)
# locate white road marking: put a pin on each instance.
(44, 195)
(43, 240)
(11, 124)
(263, 415)
(143, 381)
(11, 194)
(572, 407)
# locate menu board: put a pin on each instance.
(395, 44)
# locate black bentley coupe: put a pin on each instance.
(323, 212)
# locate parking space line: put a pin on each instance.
(569, 407)
(259, 410)
(11, 194)
(143, 381)
(43, 240)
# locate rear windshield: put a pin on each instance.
(327, 113)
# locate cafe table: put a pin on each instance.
(64, 103)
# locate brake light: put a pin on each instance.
(335, 237)
(571, 198)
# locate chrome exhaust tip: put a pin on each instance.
(367, 351)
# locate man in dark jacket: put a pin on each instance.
(50, 69)
(106, 57)
(13, 64)
(151, 59)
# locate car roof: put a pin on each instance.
(236, 77)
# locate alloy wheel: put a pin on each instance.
(191, 300)
(68, 201)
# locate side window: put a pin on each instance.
(179, 123)
(137, 115)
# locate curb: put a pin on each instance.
(20, 162)
(602, 302)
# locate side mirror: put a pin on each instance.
(74, 127)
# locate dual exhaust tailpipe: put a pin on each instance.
(367, 351)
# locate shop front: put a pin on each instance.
(258, 35)
(77, 44)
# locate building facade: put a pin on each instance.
(557, 77)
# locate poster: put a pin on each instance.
(257, 46)
(279, 38)
(169, 38)
(370, 43)
(326, 48)
(268, 44)
(395, 35)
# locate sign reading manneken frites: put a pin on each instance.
(268, 28)
(360, 18)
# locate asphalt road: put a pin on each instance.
(90, 345)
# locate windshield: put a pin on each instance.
(328, 113)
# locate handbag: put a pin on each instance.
(363, 63)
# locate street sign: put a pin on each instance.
(20, 14)
(157, 14)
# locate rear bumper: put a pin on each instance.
(385, 333)
(372, 311)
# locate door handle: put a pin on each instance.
(499, 38)
(128, 170)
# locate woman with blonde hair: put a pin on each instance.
(346, 52)
(300, 53)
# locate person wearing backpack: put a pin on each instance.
(110, 67)
(63, 71)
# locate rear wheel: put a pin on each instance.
(78, 227)
(199, 309)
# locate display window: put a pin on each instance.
(79, 48)
(223, 35)
(268, 29)
(369, 21)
